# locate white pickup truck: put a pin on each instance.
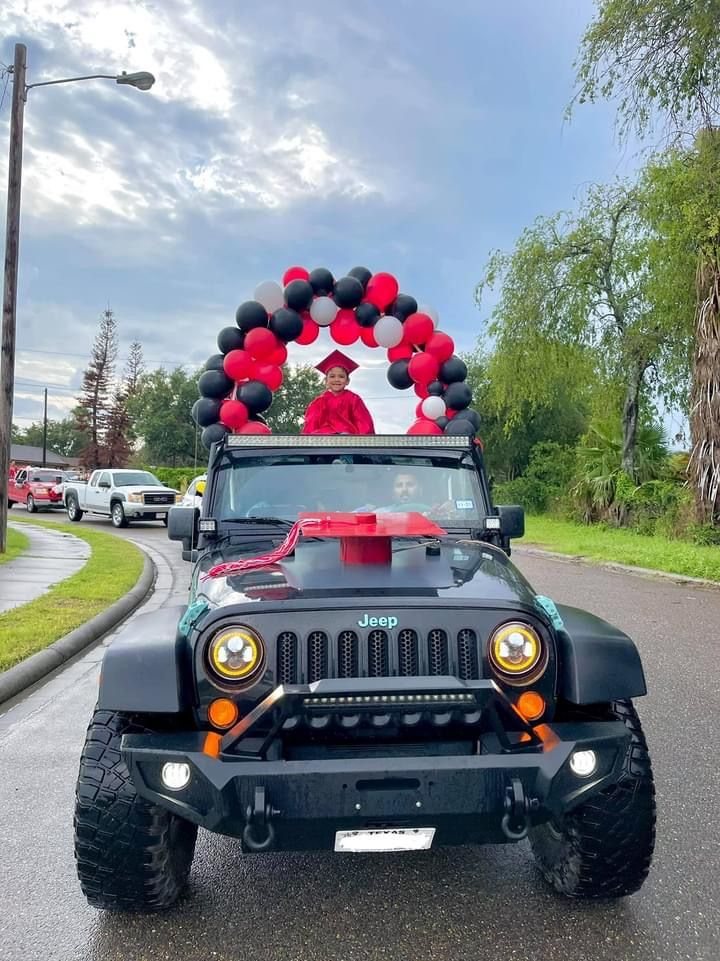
(121, 495)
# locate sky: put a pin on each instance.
(408, 136)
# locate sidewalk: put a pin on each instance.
(51, 557)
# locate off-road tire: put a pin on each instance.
(131, 855)
(603, 848)
(31, 505)
(73, 509)
(117, 515)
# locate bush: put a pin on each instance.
(179, 478)
(543, 483)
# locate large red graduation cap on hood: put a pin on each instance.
(336, 359)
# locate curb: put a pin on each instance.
(34, 668)
(646, 572)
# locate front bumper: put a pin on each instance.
(148, 511)
(515, 780)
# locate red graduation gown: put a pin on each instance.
(343, 413)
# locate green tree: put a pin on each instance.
(576, 308)
(301, 385)
(161, 410)
(661, 60)
(63, 436)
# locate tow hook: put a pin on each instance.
(258, 833)
(516, 820)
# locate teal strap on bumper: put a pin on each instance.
(548, 606)
(191, 615)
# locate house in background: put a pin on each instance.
(24, 454)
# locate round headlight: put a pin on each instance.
(515, 649)
(235, 653)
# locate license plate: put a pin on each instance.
(384, 840)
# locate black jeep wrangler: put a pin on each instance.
(332, 697)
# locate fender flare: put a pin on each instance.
(598, 662)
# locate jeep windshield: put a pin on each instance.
(445, 489)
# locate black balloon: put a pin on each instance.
(362, 274)
(215, 383)
(206, 411)
(457, 396)
(470, 415)
(259, 418)
(322, 281)
(286, 324)
(397, 374)
(215, 362)
(435, 388)
(403, 306)
(230, 338)
(367, 315)
(348, 292)
(251, 314)
(452, 371)
(442, 421)
(256, 396)
(214, 433)
(299, 295)
(460, 427)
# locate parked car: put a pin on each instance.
(193, 495)
(36, 487)
(121, 495)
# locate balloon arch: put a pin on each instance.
(238, 383)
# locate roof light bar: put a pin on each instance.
(349, 440)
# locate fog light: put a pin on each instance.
(583, 763)
(175, 776)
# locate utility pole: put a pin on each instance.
(44, 463)
(12, 241)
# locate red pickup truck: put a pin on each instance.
(35, 487)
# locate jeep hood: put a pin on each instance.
(471, 572)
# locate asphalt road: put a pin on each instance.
(479, 903)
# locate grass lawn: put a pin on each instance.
(16, 544)
(623, 547)
(112, 569)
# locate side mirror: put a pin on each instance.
(512, 521)
(183, 526)
(104, 485)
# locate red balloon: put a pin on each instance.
(422, 391)
(422, 367)
(268, 374)
(294, 273)
(278, 356)
(424, 426)
(440, 345)
(237, 364)
(417, 329)
(234, 414)
(310, 331)
(255, 427)
(450, 413)
(381, 290)
(261, 342)
(367, 336)
(418, 410)
(345, 329)
(400, 352)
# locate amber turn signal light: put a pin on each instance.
(531, 705)
(222, 713)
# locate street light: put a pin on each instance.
(143, 81)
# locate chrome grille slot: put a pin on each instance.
(317, 656)
(408, 653)
(437, 651)
(378, 654)
(287, 665)
(467, 655)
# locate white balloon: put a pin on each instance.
(433, 407)
(323, 311)
(388, 331)
(270, 295)
(431, 312)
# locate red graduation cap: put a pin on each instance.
(336, 359)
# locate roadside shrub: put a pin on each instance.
(179, 478)
(543, 483)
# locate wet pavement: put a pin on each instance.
(474, 903)
(51, 557)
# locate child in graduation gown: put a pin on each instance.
(338, 410)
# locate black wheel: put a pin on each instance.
(131, 855)
(73, 509)
(31, 506)
(603, 848)
(10, 504)
(117, 515)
